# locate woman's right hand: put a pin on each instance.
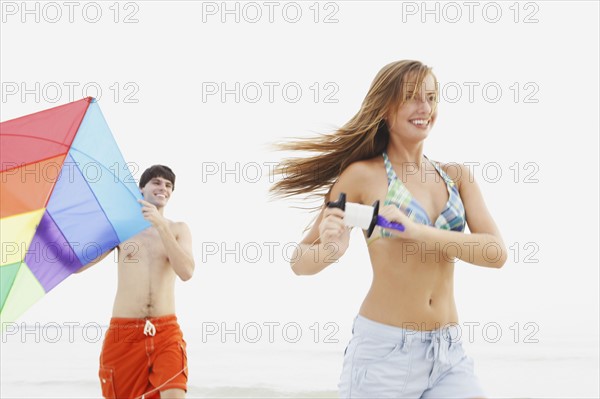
(332, 229)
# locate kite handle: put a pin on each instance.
(375, 219)
(383, 222)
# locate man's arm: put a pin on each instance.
(179, 249)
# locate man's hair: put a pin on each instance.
(157, 171)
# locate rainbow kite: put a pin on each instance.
(66, 196)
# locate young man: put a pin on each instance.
(144, 354)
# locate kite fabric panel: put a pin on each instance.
(66, 197)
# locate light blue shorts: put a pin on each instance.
(383, 361)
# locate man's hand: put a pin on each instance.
(151, 214)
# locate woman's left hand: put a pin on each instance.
(412, 230)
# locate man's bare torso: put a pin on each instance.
(146, 278)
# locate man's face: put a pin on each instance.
(157, 191)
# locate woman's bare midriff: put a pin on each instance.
(411, 289)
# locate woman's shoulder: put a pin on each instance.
(359, 177)
(365, 167)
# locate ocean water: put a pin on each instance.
(32, 366)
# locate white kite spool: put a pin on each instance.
(358, 215)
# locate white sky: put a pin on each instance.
(170, 57)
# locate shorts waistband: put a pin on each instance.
(142, 322)
(386, 332)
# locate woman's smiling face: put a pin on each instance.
(415, 117)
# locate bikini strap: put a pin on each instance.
(388, 167)
(444, 175)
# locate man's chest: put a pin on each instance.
(146, 246)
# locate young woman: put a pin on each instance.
(405, 340)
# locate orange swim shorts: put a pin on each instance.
(141, 357)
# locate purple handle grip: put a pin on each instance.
(383, 222)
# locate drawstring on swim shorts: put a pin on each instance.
(149, 328)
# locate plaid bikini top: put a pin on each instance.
(451, 218)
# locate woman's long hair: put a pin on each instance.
(363, 137)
